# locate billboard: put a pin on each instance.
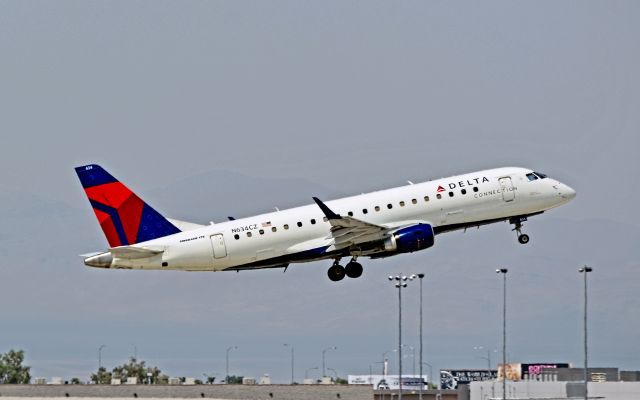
(451, 378)
(387, 382)
(518, 371)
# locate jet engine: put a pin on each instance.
(410, 239)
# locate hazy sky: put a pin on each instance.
(213, 108)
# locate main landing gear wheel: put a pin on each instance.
(523, 239)
(336, 272)
(353, 269)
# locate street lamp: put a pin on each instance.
(413, 356)
(291, 346)
(324, 351)
(421, 276)
(384, 360)
(585, 270)
(504, 271)
(400, 282)
(226, 379)
(306, 372)
(488, 357)
(102, 346)
(430, 371)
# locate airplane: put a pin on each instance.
(379, 224)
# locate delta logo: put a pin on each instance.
(462, 184)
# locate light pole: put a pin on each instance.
(324, 351)
(488, 358)
(291, 346)
(585, 270)
(421, 276)
(306, 372)
(384, 360)
(413, 356)
(430, 371)
(504, 271)
(102, 346)
(400, 282)
(226, 379)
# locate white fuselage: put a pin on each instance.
(303, 234)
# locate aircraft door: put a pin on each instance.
(508, 193)
(219, 248)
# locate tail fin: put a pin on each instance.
(125, 219)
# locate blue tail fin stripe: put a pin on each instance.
(93, 175)
(115, 218)
(153, 225)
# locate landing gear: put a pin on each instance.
(337, 272)
(523, 238)
(353, 269)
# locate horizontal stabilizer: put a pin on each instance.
(131, 252)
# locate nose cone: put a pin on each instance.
(566, 192)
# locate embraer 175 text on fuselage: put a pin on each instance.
(379, 224)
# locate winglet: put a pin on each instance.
(326, 210)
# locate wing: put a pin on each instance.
(348, 231)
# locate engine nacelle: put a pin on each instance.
(410, 239)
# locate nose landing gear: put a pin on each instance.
(523, 238)
(337, 272)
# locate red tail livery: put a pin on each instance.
(125, 219)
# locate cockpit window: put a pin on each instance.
(540, 175)
(531, 176)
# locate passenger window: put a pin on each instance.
(261, 231)
(463, 191)
(236, 236)
(414, 201)
(450, 194)
(286, 226)
(299, 224)
(426, 198)
(350, 213)
(248, 234)
(364, 211)
(389, 206)
(273, 229)
(402, 204)
(313, 222)
(475, 188)
(377, 208)
(438, 196)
